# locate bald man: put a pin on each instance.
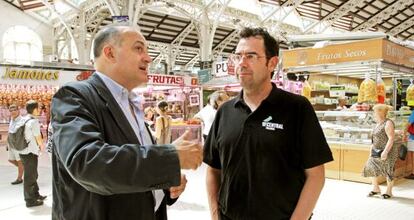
(105, 162)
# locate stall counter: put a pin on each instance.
(349, 161)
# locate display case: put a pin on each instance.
(349, 136)
(356, 126)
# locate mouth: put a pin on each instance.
(245, 74)
(143, 68)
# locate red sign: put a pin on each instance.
(155, 79)
(230, 67)
(165, 79)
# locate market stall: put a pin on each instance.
(338, 70)
(22, 83)
(348, 64)
(184, 98)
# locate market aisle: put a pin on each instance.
(340, 200)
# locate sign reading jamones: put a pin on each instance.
(36, 76)
(171, 80)
(32, 74)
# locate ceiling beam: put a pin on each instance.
(159, 23)
(402, 26)
(292, 3)
(384, 14)
(32, 6)
(334, 16)
(178, 40)
(218, 49)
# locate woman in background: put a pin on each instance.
(149, 117)
(383, 152)
(163, 124)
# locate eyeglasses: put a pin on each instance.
(250, 57)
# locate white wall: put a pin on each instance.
(12, 16)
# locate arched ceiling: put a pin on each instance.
(175, 25)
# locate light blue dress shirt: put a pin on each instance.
(126, 100)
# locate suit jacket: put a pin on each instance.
(100, 170)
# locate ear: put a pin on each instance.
(272, 63)
(109, 53)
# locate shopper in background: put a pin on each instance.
(207, 113)
(105, 162)
(265, 149)
(383, 154)
(30, 155)
(341, 104)
(14, 157)
(410, 144)
(163, 124)
(149, 113)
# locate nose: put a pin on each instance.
(147, 58)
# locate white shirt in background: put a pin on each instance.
(207, 115)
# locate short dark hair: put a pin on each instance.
(108, 33)
(163, 106)
(31, 105)
(270, 43)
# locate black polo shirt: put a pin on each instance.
(263, 154)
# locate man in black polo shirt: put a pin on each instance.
(266, 149)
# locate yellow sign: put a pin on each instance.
(348, 52)
(375, 49)
(398, 54)
(30, 74)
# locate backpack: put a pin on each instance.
(17, 140)
(410, 129)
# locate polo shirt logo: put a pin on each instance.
(270, 125)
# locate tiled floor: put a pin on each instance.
(339, 199)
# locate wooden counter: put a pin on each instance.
(350, 159)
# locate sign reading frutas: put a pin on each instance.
(154, 79)
(30, 74)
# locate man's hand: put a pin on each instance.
(190, 153)
(176, 191)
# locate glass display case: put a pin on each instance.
(356, 126)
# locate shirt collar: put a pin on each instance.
(271, 98)
(119, 92)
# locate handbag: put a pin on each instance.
(402, 153)
(376, 153)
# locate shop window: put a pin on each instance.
(21, 45)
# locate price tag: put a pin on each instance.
(337, 90)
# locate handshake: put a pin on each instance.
(190, 153)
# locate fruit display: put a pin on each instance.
(193, 122)
(410, 93)
(367, 91)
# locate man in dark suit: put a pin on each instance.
(105, 163)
